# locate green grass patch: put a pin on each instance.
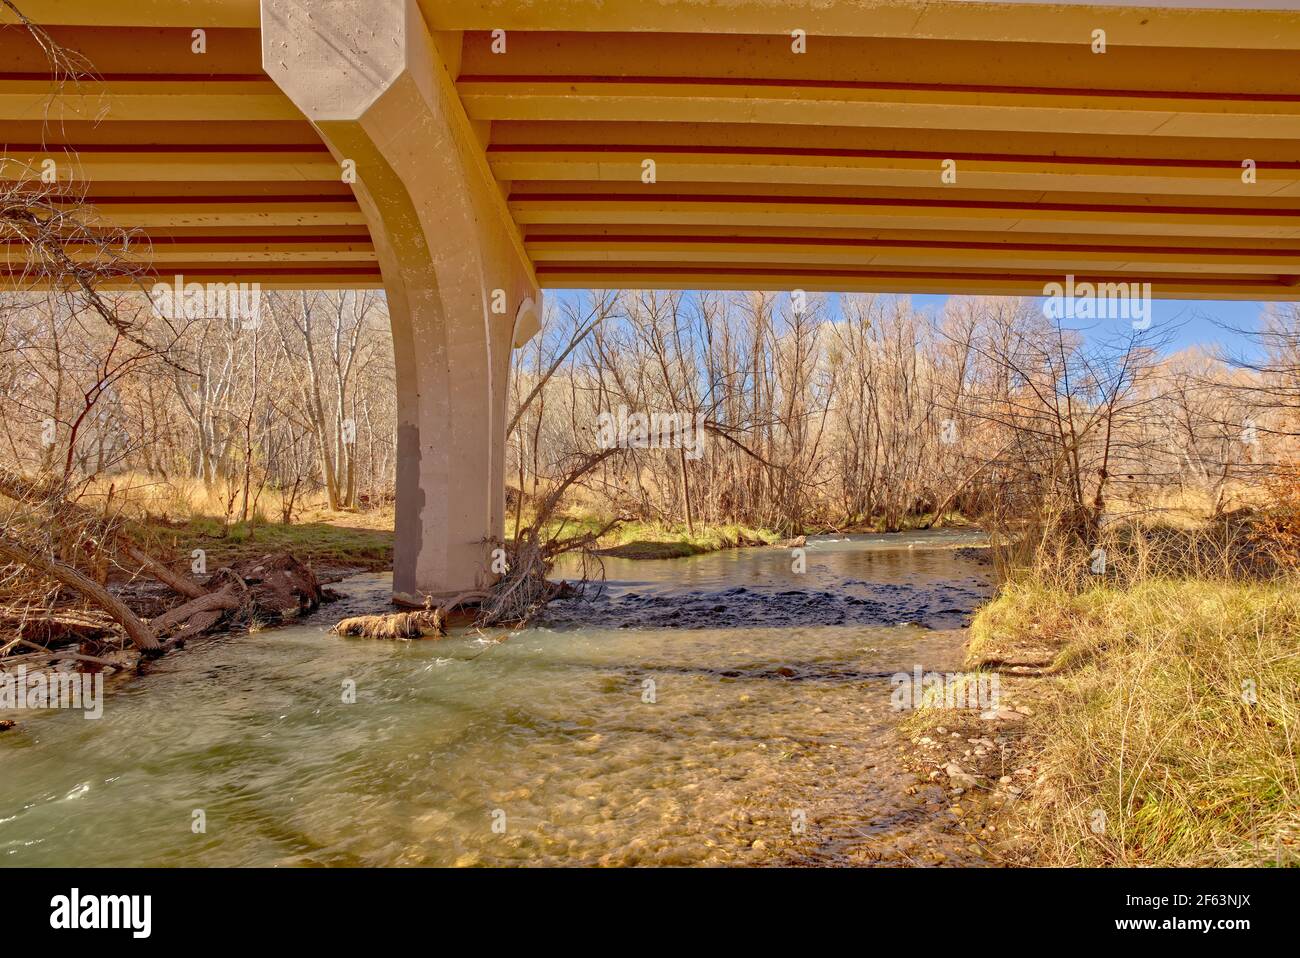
(333, 543)
(652, 540)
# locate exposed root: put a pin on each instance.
(523, 591)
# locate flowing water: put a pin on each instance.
(717, 709)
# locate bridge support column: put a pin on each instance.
(377, 86)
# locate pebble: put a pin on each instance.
(958, 775)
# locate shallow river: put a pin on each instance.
(717, 709)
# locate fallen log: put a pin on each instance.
(136, 630)
(220, 602)
(173, 580)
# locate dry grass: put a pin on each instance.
(1173, 734)
(398, 625)
(171, 518)
(1187, 507)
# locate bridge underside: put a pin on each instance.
(958, 147)
(774, 169)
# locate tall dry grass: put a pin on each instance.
(1173, 734)
(180, 499)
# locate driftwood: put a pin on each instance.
(224, 600)
(140, 634)
(280, 584)
(51, 625)
(265, 589)
(520, 593)
(173, 580)
(261, 590)
(48, 654)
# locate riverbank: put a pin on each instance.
(1154, 724)
(342, 543)
(333, 543)
(337, 544)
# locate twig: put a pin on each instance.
(45, 653)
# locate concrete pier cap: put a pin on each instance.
(376, 84)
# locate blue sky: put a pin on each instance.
(1197, 321)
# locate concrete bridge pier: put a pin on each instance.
(378, 87)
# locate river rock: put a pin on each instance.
(958, 775)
